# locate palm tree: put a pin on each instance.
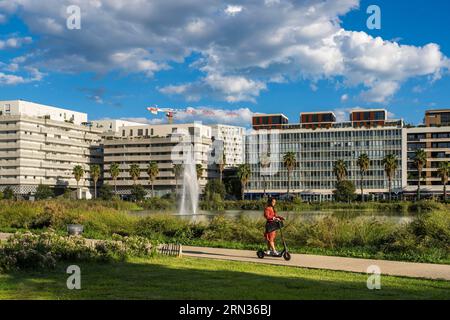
(363, 163)
(444, 172)
(199, 170)
(177, 170)
(243, 174)
(78, 173)
(340, 170)
(114, 171)
(135, 172)
(95, 175)
(420, 160)
(289, 161)
(152, 171)
(222, 163)
(390, 166)
(264, 163)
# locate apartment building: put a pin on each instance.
(166, 144)
(233, 139)
(317, 149)
(41, 144)
(434, 139)
(368, 117)
(312, 120)
(269, 121)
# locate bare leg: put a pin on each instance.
(272, 245)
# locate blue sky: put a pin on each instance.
(237, 55)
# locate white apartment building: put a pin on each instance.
(41, 144)
(316, 151)
(233, 143)
(113, 125)
(164, 144)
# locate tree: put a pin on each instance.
(214, 186)
(264, 163)
(199, 170)
(289, 161)
(105, 192)
(95, 172)
(114, 171)
(363, 163)
(137, 192)
(135, 172)
(177, 170)
(153, 172)
(243, 174)
(340, 170)
(390, 164)
(43, 192)
(444, 172)
(420, 160)
(8, 193)
(345, 191)
(222, 163)
(78, 173)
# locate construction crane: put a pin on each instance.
(170, 112)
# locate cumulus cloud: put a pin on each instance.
(239, 48)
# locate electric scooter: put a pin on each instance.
(284, 253)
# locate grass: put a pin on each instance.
(190, 278)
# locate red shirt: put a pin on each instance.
(270, 214)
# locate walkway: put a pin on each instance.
(393, 268)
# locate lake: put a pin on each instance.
(204, 216)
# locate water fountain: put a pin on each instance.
(190, 190)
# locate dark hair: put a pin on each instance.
(269, 201)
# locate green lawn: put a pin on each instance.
(190, 278)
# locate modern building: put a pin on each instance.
(233, 139)
(317, 150)
(368, 117)
(434, 139)
(311, 120)
(435, 118)
(113, 125)
(269, 121)
(166, 144)
(41, 144)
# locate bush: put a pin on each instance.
(106, 192)
(8, 193)
(30, 251)
(43, 192)
(138, 193)
(345, 191)
(214, 187)
(159, 204)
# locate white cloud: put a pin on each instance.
(14, 43)
(344, 97)
(233, 10)
(238, 51)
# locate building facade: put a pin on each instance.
(165, 144)
(41, 145)
(434, 139)
(233, 139)
(317, 151)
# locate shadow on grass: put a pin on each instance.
(175, 278)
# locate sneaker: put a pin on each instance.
(268, 252)
(275, 253)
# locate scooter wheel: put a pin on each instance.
(260, 254)
(287, 256)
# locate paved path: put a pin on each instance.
(394, 268)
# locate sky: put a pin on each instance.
(254, 56)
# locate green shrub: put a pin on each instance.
(31, 251)
(345, 191)
(43, 192)
(8, 193)
(138, 193)
(106, 192)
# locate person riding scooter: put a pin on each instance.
(271, 216)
